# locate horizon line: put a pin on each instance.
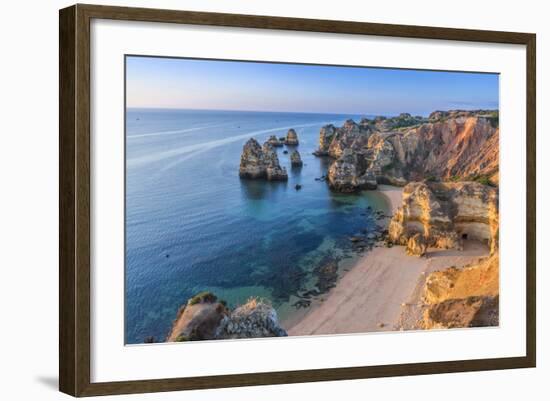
(307, 112)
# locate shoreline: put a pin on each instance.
(393, 196)
(378, 290)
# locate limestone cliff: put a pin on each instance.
(349, 173)
(466, 297)
(204, 317)
(446, 213)
(259, 162)
(454, 145)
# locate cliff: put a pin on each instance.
(454, 145)
(261, 162)
(445, 213)
(466, 297)
(204, 317)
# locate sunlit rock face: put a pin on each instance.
(261, 162)
(446, 213)
(448, 146)
(349, 173)
(205, 317)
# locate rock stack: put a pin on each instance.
(291, 138)
(259, 162)
(274, 141)
(295, 159)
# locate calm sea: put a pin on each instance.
(192, 225)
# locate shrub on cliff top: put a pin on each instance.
(205, 296)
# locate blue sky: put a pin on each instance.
(235, 85)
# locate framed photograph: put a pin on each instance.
(250, 200)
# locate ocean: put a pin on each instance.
(193, 225)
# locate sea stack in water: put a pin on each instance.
(291, 138)
(274, 171)
(259, 162)
(295, 159)
(274, 141)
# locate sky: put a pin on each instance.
(236, 85)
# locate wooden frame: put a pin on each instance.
(74, 199)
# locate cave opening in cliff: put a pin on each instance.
(464, 236)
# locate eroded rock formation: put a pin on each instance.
(453, 145)
(204, 317)
(259, 162)
(349, 173)
(295, 159)
(446, 213)
(291, 138)
(417, 245)
(467, 297)
(274, 141)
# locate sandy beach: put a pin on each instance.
(373, 295)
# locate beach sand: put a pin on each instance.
(375, 294)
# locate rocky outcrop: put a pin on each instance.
(349, 136)
(274, 171)
(204, 317)
(291, 138)
(465, 297)
(274, 141)
(454, 145)
(416, 245)
(326, 135)
(462, 147)
(462, 313)
(198, 319)
(261, 162)
(295, 159)
(349, 173)
(251, 320)
(446, 213)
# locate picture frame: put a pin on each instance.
(75, 199)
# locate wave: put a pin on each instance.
(180, 131)
(203, 147)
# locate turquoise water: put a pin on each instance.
(192, 225)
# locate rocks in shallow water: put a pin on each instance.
(297, 187)
(274, 141)
(204, 318)
(253, 164)
(416, 245)
(259, 162)
(291, 138)
(295, 159)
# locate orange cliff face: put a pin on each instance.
(445, 213)
(466, 297)
(454, 145)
